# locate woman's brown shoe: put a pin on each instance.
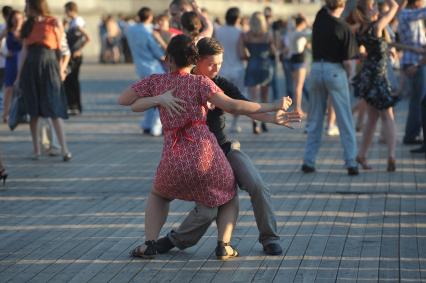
(391, 165)
(363, 162)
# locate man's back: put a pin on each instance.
(228, 36)
(332, 40)
(145, 51)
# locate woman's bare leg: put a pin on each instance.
(58, 125)
(156, 211)
(8, 92)
(34, 136)
(388, 124)
(264, 93)
(226, 220)
(298, 81)
(370, 127)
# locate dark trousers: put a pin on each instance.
(424, 120)
(72, 85)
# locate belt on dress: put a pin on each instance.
(182, 131)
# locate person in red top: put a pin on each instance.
(193, 167)
(39, 74)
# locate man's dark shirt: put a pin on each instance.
(216, 117)
(332, 39)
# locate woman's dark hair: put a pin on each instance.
(232, 16)
(40, 7)
(9, 22)
(191, 23)
(182, 51)
(209, 46)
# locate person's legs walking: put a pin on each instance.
(317, 106)
(338, 88)
(34, 136)
(249, 180)
(417, 88)
(367, 136)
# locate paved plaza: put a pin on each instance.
(77, 221)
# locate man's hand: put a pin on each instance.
(172, 104)
(284, 103)
(285, 119)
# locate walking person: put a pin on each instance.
(298, 43)
(329, 77)
(3, 172)
(77, 39)
(147, 57)
(39, 75)
(372, 83)
(248, 178)
(233, 67)
(411, 33)
(259, 43)
(14, 47)
(204, 176)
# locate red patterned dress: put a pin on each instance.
(193, 167)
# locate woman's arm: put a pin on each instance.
(77, 53)
(207, 24)
(24, 53)
(140, 104)
(245, 107)
(387, 17)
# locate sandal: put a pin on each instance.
(148, 253)
(222, 253)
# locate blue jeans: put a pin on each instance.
(151, 121)
(329, 79)
(274, 81)
(416, 87)
(287, 78)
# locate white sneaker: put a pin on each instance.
(333, 131)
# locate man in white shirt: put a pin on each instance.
(233, 67)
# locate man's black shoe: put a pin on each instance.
(353, 171)
(307, 169)
(272, 249)
(412, 141)
(419, 150)
(164, 245)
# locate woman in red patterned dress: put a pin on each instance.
(193, 167)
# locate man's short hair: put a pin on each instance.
(144, 14)
(6, 11)
(71, 6)
(411, 2)
(334, 4)
(232, 16)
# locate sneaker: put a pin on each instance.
(333, 131)
(307, 169)
(164, 245)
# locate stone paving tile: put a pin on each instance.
(77, 221)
